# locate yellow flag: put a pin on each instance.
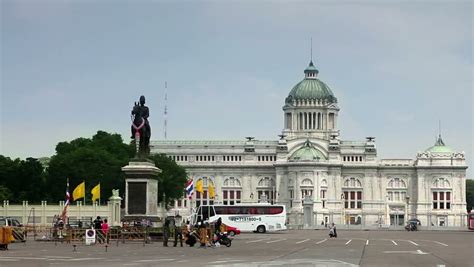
(95, 192)
(199, 186)
(79, 191)
(212, 193)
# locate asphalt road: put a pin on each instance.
(289, 248)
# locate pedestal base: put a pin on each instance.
(141, 190)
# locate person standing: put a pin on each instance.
(202, 233)
(166, 233)
(105, 230)
(178, 233)
(218, 226)
(98, 228)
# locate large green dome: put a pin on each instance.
(307, 153)
(440, 147)
(311, 88)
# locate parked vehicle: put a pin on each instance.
(415, 221)
(233, 230)
(18, 231)
(259, 217)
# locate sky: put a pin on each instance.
(398, 68)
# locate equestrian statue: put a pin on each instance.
(141, 130)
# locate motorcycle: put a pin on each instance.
(411, 227)
(223, 239)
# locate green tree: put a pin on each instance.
(5, 193)
(96, 160)
(470, 194)
(172, 179)
(24, 179)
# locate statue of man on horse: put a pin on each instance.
(141, 130)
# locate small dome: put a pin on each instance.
(307, 153)
(439, 147)
(311, 88)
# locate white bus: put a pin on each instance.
(246, 217)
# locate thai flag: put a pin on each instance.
(189, 188)
(66, 203)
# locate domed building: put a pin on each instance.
(320, 178)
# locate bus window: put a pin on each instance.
(275, 210)
(219, 210)
(233, 210)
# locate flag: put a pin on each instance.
(79, 191)
(95, 192)
(189, 188)
(199, 187)
(66, 203)
(212, 193)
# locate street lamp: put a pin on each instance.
(408, 206)
(343, 219)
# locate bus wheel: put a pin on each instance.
(261, 229)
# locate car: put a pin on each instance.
(233, 230)
(19, 232)
(8, 221)
(414, 221)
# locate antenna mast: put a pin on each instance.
(166, 108)
(311, 49)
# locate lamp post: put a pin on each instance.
(387, 211)
(343, 219)
(408, 207)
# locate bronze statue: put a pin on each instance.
(141, 127)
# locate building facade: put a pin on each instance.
(319, 177)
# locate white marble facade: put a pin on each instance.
(311, 169)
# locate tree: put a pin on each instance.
(5, 193)
(469, 194)
(96, 160)
(172, 179)
(23, 179)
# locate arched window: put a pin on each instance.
(306, 188)
(323, 192)
(396, 190)
(441, 194)
(352, 193)
(266, 190)
(352, 182)
(231, 191)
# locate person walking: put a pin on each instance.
(332, 231)
(105, 230)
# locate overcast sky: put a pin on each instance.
(70, 68)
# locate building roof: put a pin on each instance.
(311, 88)
(307, 153)
(439, 147)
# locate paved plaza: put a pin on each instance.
(297, 248)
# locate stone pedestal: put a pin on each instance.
(141, 190)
